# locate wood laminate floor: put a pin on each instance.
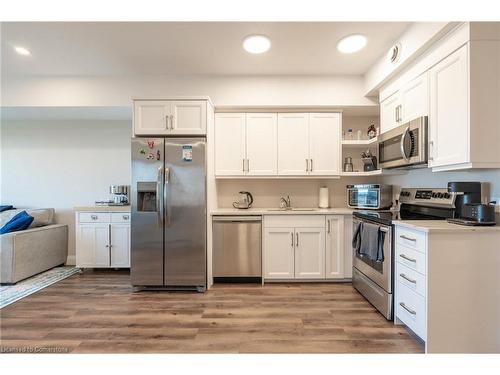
(97, 312)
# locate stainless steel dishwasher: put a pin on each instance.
(237, 248)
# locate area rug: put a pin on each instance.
(12, 293)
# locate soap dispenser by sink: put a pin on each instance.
(245, 200)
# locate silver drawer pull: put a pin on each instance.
(125, 217)
(408, 238)
(412, 312)
(407, 278)
(408, 258)
(93, 217)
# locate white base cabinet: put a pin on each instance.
(103, 239)
(304, 247)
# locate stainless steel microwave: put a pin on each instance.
(404, 146)
(369, 196)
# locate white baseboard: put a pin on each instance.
(71, 260)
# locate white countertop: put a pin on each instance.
(103, 209)
(272, 211)
(442, 226)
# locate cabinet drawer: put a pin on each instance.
(120, 217)
(411, 279)
(291, 220)
(411, 309)
(414, 260)
(94, 217)
(411, 238)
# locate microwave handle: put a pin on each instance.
(402, 144)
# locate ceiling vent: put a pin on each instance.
(394, 53)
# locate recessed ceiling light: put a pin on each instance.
(256, 44)
(22, 51)
(352, 43)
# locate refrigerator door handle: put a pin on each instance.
(159, 205)
(165, 200)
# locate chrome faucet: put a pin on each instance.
(285, 202)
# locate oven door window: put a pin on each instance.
(390, 150)
(364, 198)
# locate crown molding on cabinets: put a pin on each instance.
(350, 111)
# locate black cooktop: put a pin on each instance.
(406, 212)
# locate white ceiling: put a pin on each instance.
(140, 48)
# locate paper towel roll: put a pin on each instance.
(323, 197)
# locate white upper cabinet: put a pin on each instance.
(415, 98)
(324, 144)
(293, 145)
(189, 117)
(449, 116)
(229, 144)
(334, 247)
(151, 117)
(310, 253)
(261, 144)
(167, 117)
(389, 115)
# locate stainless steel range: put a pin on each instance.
(373, 278)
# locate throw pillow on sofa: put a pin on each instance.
(19, 222)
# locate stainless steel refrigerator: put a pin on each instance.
(168, 223)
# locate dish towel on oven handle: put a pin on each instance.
(368, 240)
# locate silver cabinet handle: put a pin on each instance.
(408, 258)
(396, 113)
(328, 221)
(166, 121)
(297, 241)
(243, 165)
(93, 217)
(292, 239)
(412, 312)
(407, 238)
(311, 165)
(407, 278)
(172, 122)
(107, 246)
(307, 165)
(248, 165)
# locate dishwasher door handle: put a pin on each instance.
(237, 219)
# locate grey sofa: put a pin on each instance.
(28, 252)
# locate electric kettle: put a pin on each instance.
(245, 200)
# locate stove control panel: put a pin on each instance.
(430, 197)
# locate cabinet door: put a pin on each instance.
(324, 144)
(120, 245)
(449, 115)
(279, 253)
(151, 117)
(229, 144)
(415, 98)
(334, 247)
(388, 115)
(262, 143)
(310, 253)
(92, 246)
(189, 117)
(293, 144)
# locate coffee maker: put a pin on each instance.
(121, 195)
(469, 209)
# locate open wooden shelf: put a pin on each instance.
(359, 142)
(373, 173)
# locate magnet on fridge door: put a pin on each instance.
(151, 156)
(142, 151)
(151, 143)
(187, 152)
(158, 155)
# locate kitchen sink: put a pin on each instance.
(292, 209)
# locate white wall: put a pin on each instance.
(223, 90)
(63, 164)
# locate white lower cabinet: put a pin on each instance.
(310, 253)
(335, 251)
(304, 247)
(410, 304)
(103, 240)
(279, 255)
